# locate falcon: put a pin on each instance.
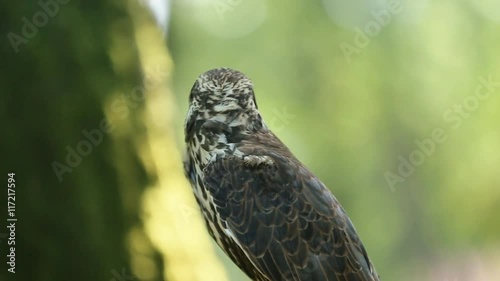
(266, 210)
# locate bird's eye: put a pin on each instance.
(199, 96)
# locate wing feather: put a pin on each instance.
(285, 220)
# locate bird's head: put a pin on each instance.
(222, 95)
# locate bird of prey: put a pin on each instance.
(264, 208)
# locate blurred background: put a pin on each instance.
(393, 104)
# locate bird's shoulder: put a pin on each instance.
(264, 164)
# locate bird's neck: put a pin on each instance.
(221, 134)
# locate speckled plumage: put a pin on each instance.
(264, 208)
